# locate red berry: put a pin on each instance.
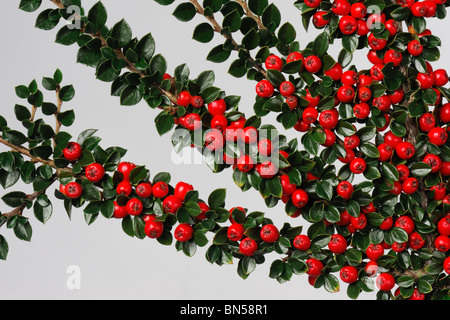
(385, 281)
(444, 113)
(403, 171)
(216, 107)
(345, 189)
(95, 172)
(235, 232)
(441, 77)
(434, 161)
(361, 110)
(184, 98)
(406, 223)
(443, 226)
(214, 140)
(287, 88)
(287, 186)
(219, 122)
(154, 229)
(124, 188)
(375, 43)
(358, 165)
(405, 150)
(264, 89)
(414, 48)
(294, 56)
(335, 72)
(416, 241)
(249, 135)
(193, 121)
(348, 274)
(341, 7)
(171, 204)
(427, 122)
(348, 24)
(197, 102)
(387, 223)
(265, 147)
(329, 119)
(181, 189)
(299, 198)
(204, 208)
(313, 3)
(269, 233)
(183, 232)
(274, 62)
(374, 251)
(371, 268)
(437, 136)
(267, 169)
(315, 267)
(345, 94)
(410, 185)
(248, 247)
(160, 189)
(302, 242)
(386, 151)
(446, 265)
(358, 10)
(74, 190)
(337, 244)
(144, 189)
(393, 56)
(313, 64)
(359, 222)
(442, 243)
(72, 152)
(310, 114)
(245, 163)
(134, 207)
(120, 212)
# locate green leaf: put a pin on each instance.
(185, 11)
(47, 20)
(232, 21)
(320, 44)
(23, 231)
(164, 123)
(130, 96)
(67, 93)
(324, 189)
(67, 36)
(30, 5)
(98, 15)
(287, 33)
(14, 199)
(420, 169)
(218, 54)
(217, 198)
(4, 248)
(67, 118)
(203, 33)
(122, 33)
(43, 209)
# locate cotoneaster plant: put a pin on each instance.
(368, 172)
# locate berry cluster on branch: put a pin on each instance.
(369, 171)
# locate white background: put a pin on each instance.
(113, 265)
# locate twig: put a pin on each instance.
(250, 14)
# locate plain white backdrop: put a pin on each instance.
(111, 264)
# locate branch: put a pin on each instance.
(217, 28)
(250, 14)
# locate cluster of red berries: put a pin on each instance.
(135, 195)
(93, 172)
